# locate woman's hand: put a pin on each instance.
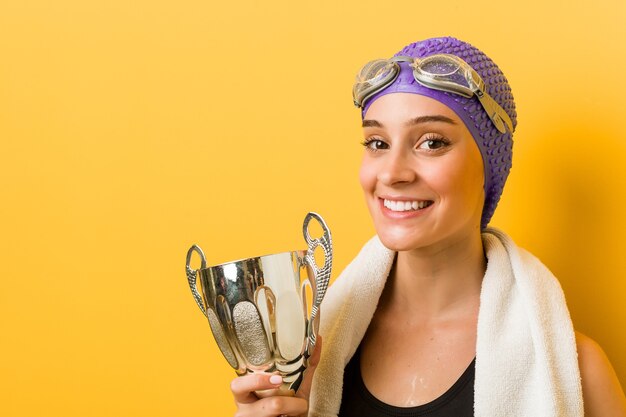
(249, 405)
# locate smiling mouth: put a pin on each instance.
(406, 205)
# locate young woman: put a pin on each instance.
(439, 315)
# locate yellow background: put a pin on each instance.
(130, 130)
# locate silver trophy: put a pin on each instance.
(257, 307)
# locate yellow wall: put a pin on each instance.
(130, 130)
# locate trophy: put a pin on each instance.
(258, 311)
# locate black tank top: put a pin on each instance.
(357, 401)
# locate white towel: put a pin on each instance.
(526, 360)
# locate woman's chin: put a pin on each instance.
(400, 241)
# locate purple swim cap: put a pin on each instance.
(495, 147)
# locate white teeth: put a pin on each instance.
(405, 205)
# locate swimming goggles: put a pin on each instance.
(442, 72)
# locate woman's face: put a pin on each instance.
(422, 173)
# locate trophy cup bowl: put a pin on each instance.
(257, 307)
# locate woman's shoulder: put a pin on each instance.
(602, 393)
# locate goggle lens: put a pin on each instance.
(439, 67)
(446, 73)
(375, 71)
(374, 76)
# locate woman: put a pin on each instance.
(440, 315)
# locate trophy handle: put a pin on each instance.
(321, 275)
(192, 275)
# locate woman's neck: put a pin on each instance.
(432, 283)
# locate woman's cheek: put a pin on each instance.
(367, 177)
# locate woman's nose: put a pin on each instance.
(397, 168)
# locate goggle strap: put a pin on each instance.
(496, 113)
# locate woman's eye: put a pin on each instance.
(375, 144)
(433, 144)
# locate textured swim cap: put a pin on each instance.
(495, 147)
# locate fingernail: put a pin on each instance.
(276, 379)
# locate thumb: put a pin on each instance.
(305, 387)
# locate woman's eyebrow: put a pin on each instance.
(412, 122)
(371, 123)
(433, 118)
